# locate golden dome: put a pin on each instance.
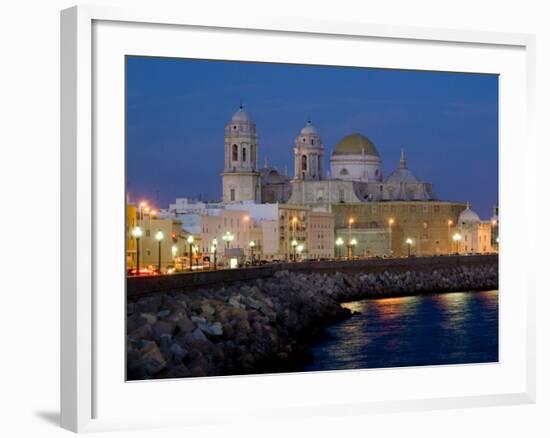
(355, 144)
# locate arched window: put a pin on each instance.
(344, 172)
(244, 154)
(304, 162)
(235, 152)
(312, 141)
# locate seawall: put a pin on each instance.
(263, 324)
(139, 286)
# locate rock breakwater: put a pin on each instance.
(263, 325)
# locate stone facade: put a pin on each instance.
(425, 223)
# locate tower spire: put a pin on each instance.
(402, 161)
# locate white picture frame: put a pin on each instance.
(84, 320)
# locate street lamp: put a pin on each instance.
(457, 238)
(339, 242)
(409, 242)
(391, 221)
(137, 233)
(352, 244)
(294, 244)
(228, 238)
(299, 249)
(251, 245)
(215, 250)
(190, 241)
(449, 225)
(159, 236)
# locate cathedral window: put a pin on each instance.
(342, 196)
(244, 154)
(344, 172)
(312, 141)
(232, 194)
(304, 162)
(235, 152)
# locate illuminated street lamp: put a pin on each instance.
(294, 244)
(409, 242)
(391, 221)
(251, 245)
(214, 249)
(228, 238)
(457, 238)
(351, 245)
(449, 225)
(299, 250)
(159, 236)
(190, 241)
(137, 233)
(339, 242)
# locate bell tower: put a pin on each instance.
(308, 154)
(240, 176)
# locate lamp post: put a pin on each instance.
(457, 238)
(391, 221)
(409, 242)
(299, 249)
(137, 233)
(190, 241)
(174, 255)
(159, 235)
(228, 238)
(215, 251)
(294, 244)
(251, 245)
(339, 242)
(352, 244)
(350, 223)
(449, 225)
(196, 255)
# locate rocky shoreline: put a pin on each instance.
(264, 325)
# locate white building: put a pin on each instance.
(473, 234)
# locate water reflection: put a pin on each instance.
(460, 327)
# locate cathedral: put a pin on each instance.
(355, 173)
(393, 215)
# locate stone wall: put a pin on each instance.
(136, 286)
(264, 324)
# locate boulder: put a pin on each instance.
(151, 359)
(184, 324)
(214, 329)
(149, 317)
(161, 328)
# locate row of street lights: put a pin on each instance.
(297, 248)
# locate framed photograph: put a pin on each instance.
(292, 218)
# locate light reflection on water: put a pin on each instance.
(451, 328)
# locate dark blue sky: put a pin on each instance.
(177, 110)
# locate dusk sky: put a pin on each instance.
(177, 110)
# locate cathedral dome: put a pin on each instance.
(241, 116)
(309, 129)
(468, 216)
(402, 174)
(355, 144)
